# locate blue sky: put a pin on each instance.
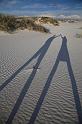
(41, 7)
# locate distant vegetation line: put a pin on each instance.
(11, 23)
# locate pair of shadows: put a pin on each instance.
(62, 56)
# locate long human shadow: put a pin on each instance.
(23, 66)
(62, 56)
(24, 90)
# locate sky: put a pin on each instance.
(41, 7)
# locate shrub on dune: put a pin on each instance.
(12, 23)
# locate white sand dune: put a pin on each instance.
(22, 91)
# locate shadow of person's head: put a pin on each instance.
(64, 39)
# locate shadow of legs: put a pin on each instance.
(29, 81)
(75, 92)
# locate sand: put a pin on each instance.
(58, 103)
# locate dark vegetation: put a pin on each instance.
(12, 23)
(78, 35)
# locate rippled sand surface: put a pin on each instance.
(59, 104)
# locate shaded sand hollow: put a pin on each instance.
(41, 76)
